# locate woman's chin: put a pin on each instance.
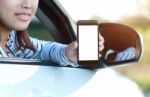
(20, 27)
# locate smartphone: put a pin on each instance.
(87, 38)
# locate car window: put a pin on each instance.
(50, 24)
(37, 30)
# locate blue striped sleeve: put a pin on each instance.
(52, 51)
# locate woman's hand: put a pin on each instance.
(101, 44)
(71, 50)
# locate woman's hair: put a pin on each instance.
(24, 40)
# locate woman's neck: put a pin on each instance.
(3, 38)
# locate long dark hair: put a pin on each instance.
(24, 40)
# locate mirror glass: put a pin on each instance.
(122, 44)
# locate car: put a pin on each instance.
(42, 78)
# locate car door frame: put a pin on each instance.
(56, 19)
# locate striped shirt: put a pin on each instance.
(45, 50)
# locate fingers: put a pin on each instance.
(101, 38)
(99, 55)
(101, 43)
(75, 44)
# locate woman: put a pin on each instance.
(15, 16)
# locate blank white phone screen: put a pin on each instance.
(88, 42)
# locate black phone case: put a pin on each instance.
(87, 62)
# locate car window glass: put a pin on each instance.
(37, 30)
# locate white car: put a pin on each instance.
(35, 78)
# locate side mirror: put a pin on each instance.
(122, 44)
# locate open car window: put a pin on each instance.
(37, 30)
(50, 24)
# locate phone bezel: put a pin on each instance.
(87, 22)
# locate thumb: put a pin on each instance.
(75, 44)
(71, 51)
